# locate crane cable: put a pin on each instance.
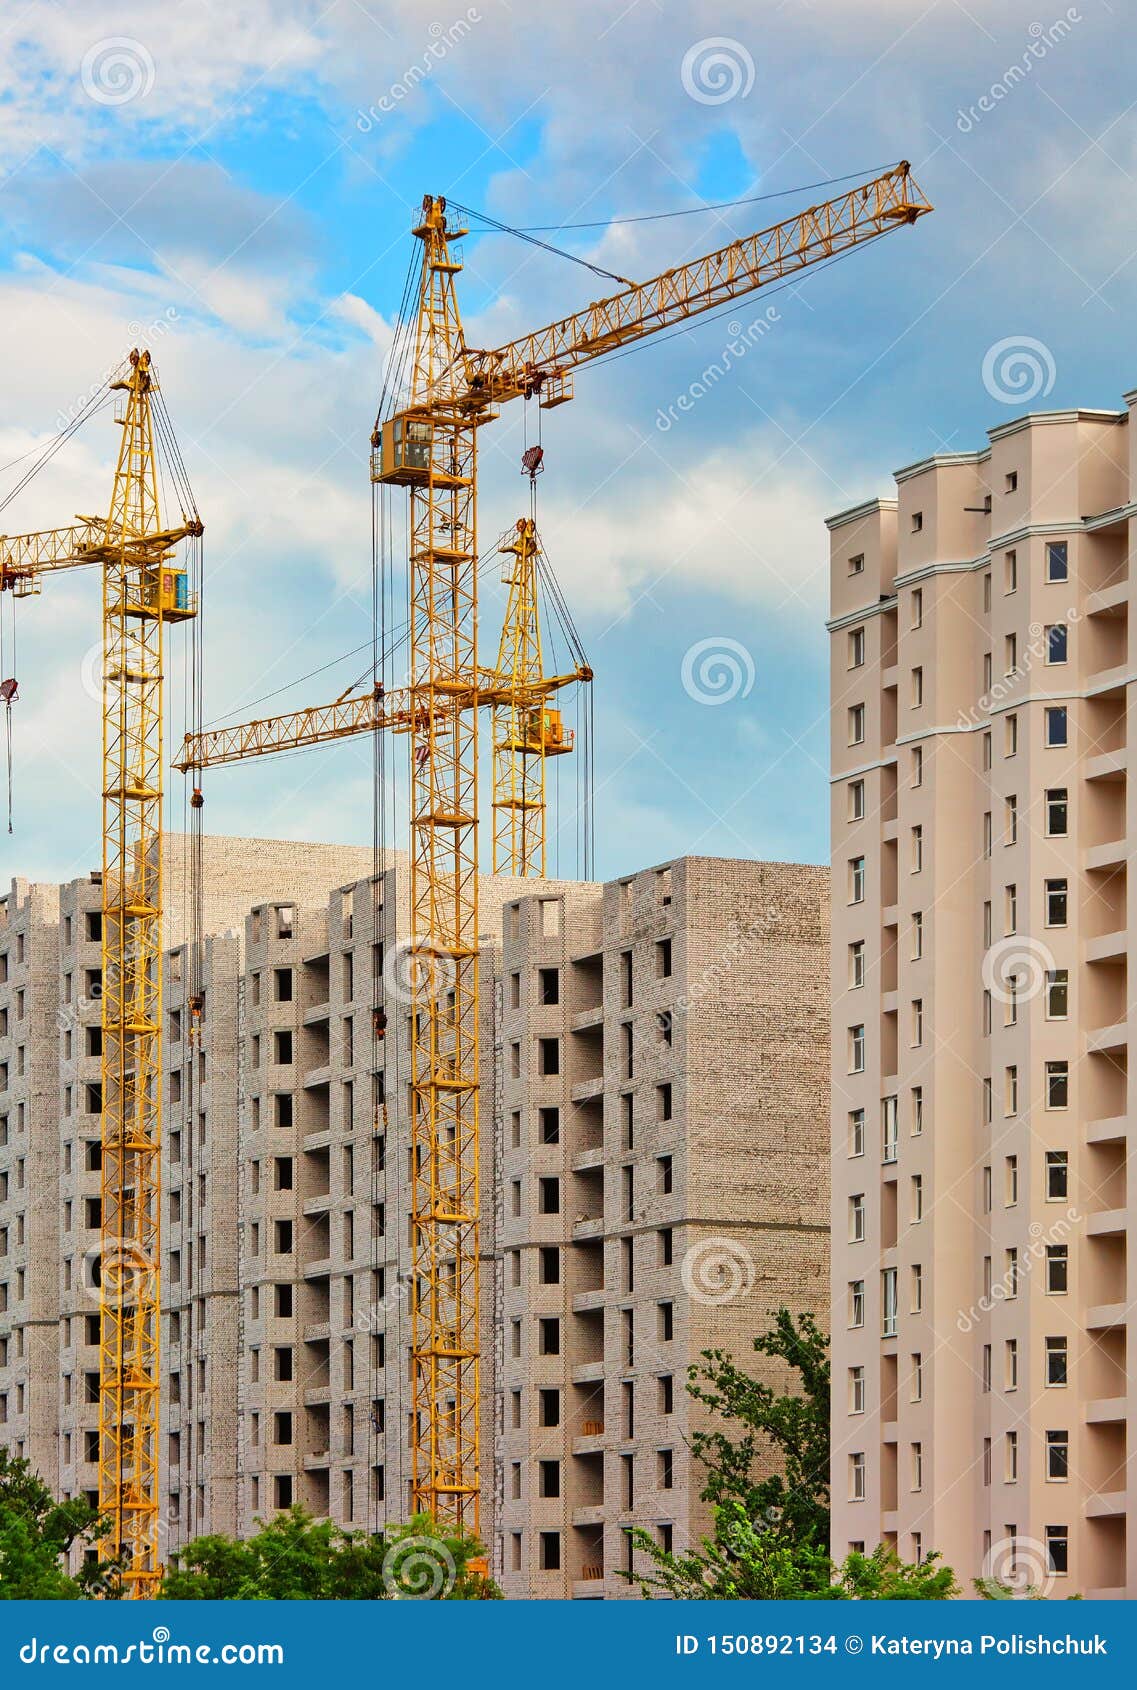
(531, 240)
(687, 211)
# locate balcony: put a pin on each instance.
(1106, 1409)
(1108, 765)
(1107, 1223)
(1109, 1129)
(1105, 1039)
(1107, 947)
(586, 1089)
(1106, 1317)
(1108, 601)
(1113, 854)
(1106, 1503)
(588, 1226)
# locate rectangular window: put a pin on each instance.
(857, 1477)
(1011, 1458)
(1056, 643)
(917, 1021)
(917, 765)
(1057, 994)
(917, 1288)
(917, 849)
(857, 1218)
(856, 1302)
(916, 1373)
(856, 1390)
(917, 1111)
(1010, 655)
(1057, 725)
(856, 1132)
(1058, 1549)
(1057, 812)
(917, 1198)
(1057, 560)
(1057, 1361)
(856, 880)
(857, 564)
(856, 647)
(1011, 1089)
(1010, 572)
(1011, 835)
(856, 724)
(1010, 909)
(888, 1302)
(917, 686)
(856, 800)
(987, 833)
(917, 602)
(889, 1121)
(1011, 736)
(857, 1049)
(1057, 1176)
(1057, 1085)
(1057, 1270)
(917, 935)
(1057, 893)
(917, 1466)
(857, 964)
(1058, 1456)
(1011, 1364)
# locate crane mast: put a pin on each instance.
(438, 459)
(430, 447)
(142, 589)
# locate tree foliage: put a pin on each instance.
(771, 1529)
(36, 1535)
(294, 1558)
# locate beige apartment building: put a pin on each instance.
(982, 681)
(654, 1068)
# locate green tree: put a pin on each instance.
(294, 1558)
(757, 1424)
(771, 1529)
(36, 1534)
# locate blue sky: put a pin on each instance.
(237, 191)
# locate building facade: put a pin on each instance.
(654, 1070)
(981, 684)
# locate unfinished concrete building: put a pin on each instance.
(655, 1056)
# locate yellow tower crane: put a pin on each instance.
(143, 589)
(429, 446)
(527, 726)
